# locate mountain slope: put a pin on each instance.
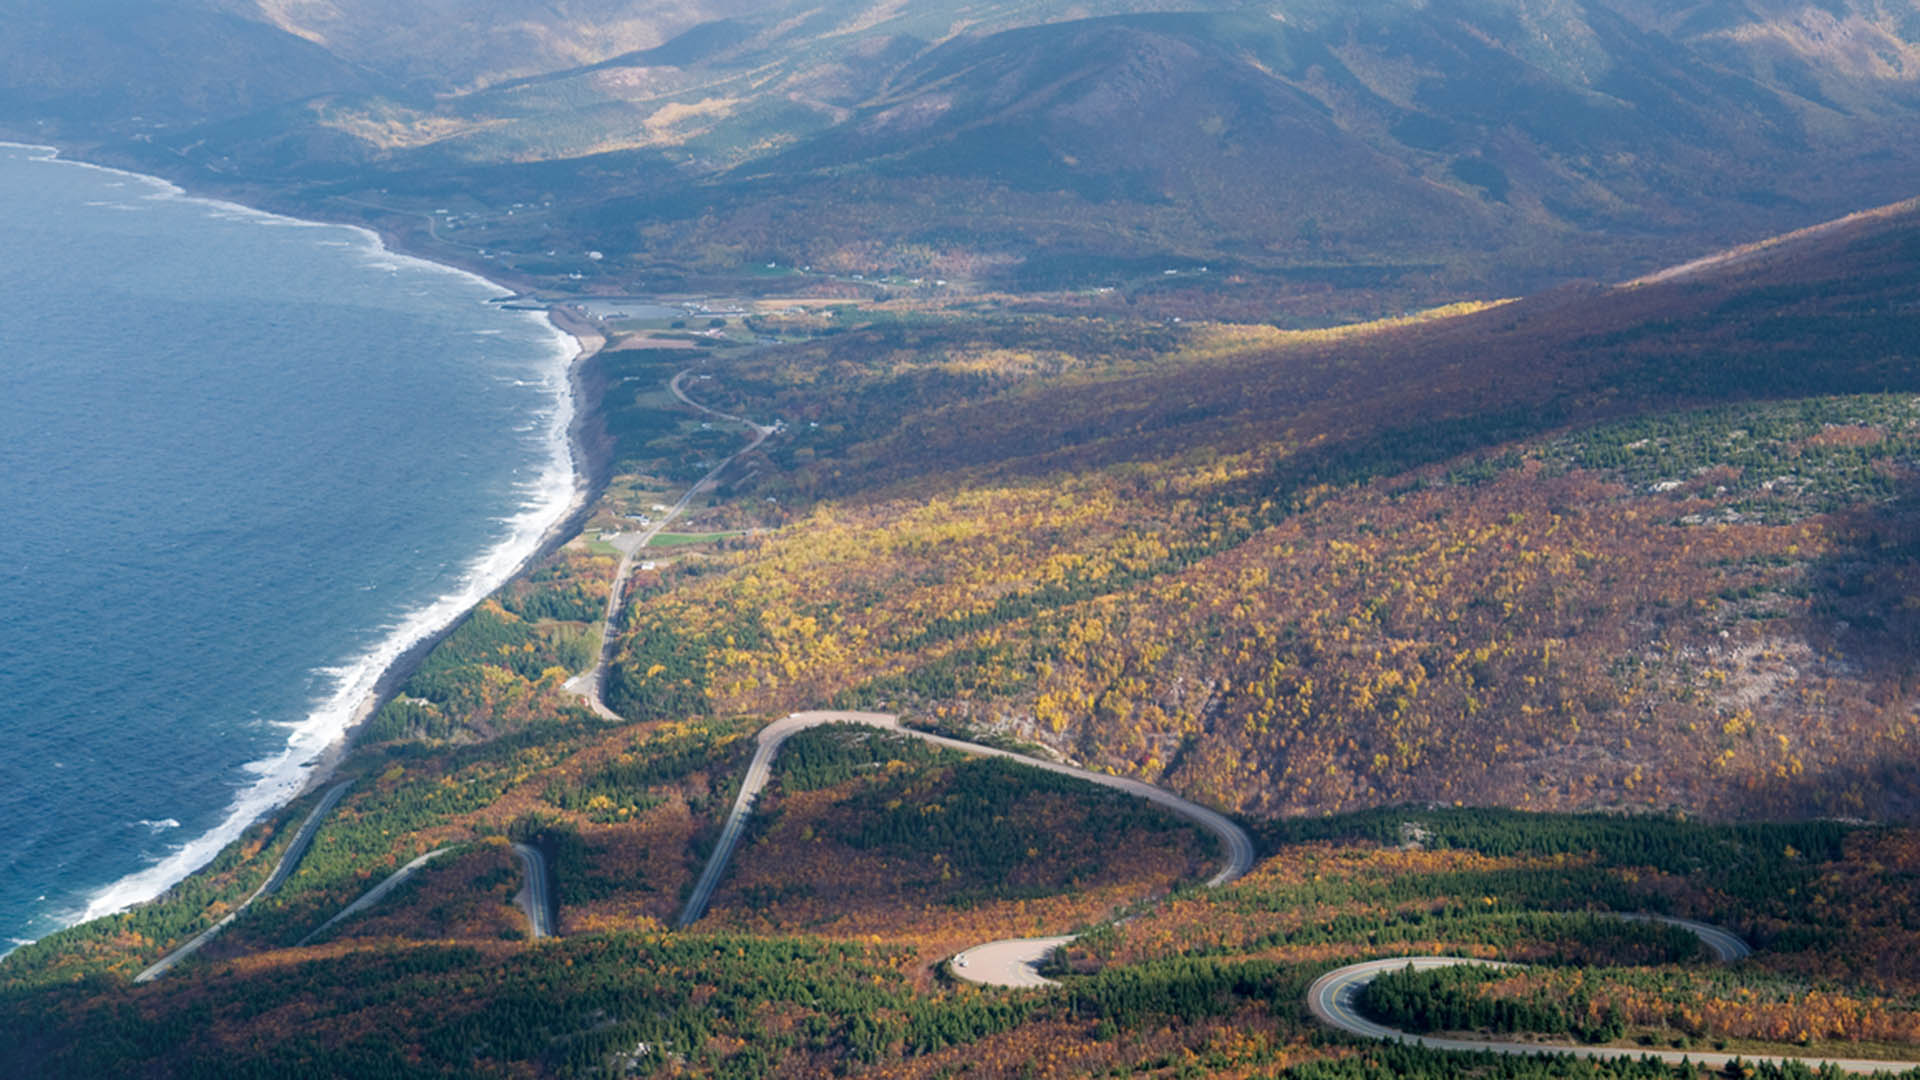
(172, 63)
(451, 45)
(1422, 149)
(1320, 158)
(1642, 546)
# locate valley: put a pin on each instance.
(1110, 532)
(1321, 163)
(1212, 557)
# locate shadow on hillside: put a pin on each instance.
(1865, 603)
(1864, 617)
(1883, 787)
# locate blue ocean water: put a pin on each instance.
(244, 461)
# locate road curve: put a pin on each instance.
(535, 898)
(592, 683)
(674, 386)
(766, 745)
(289, 862)
(1334, 1000)
(1014, 962)
(374, 895)
(1001, 963)
(1726, 946)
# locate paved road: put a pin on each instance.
(1014, 962)
(592, 683)
(536, 896)
(1726, 946)
(1234, 840)
(374, 895)
(289, 862)
(678, 387)
(1334, 999)
(758, 771)
(1002, 963)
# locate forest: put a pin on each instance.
(1298, 572)
(1492, 624)
(866, 834)
(1200, 983)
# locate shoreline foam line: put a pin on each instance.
(316, 741)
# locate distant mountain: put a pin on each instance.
(1401, 151)
(1509, 142)
(131, 65)
(452, 45)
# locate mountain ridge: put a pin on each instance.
(1340, 160)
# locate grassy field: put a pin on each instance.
(670, 539)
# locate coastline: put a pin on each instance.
(587, 465)
(592, 464)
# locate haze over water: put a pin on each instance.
(242, 461)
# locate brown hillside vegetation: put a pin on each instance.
(1207, 984)
(941, 852)
(1308, 574)
(1647, 547)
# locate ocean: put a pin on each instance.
(244, 462)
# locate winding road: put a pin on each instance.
(374, 895)
(1000, 963)
(536, 896)
(1334, 999)
(1015, 962)
(592, 683)
(1726, 946)
(289, 862)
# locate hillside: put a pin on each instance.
(1376, 147)
(1645, 547)
(1320, 161)
(1092, 382)
(1632, 547)
(1208, 985)
(141, 67)
(444, 45)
